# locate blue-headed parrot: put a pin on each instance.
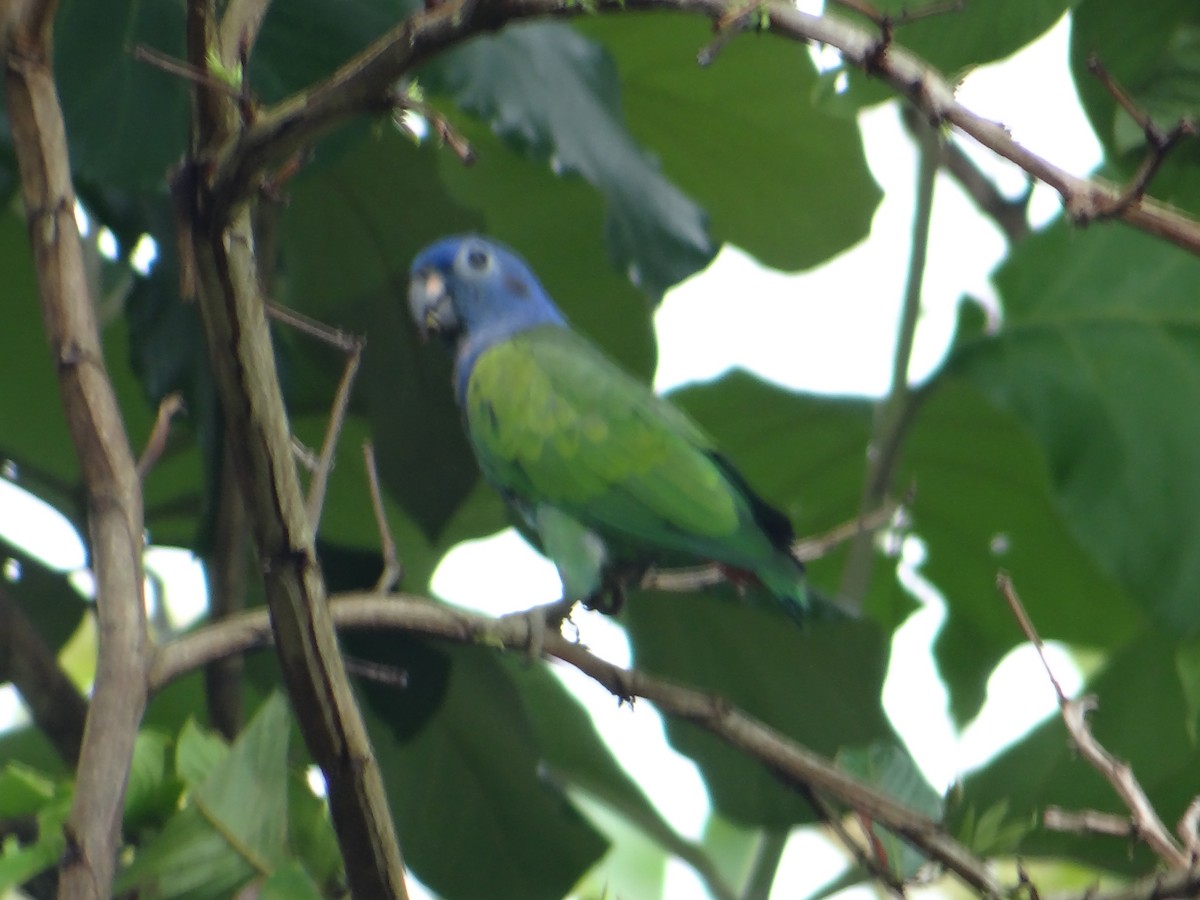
(607, 477)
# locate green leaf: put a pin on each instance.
(1153, 53)
(126, 119)
(347, 245)
(310, 833)
(576, 756)
(234, 825)
(290, 882)
(956, 40)
(819, 685)
(23, 790)
(33, 432)
(19, 863)
(777, 175)
(45, 596)
(153, 791)
(887, 766)
(1099, 357)
(983, 500)
(471, 777)
(553, 95)
(197, 753)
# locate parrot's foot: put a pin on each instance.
(538, 621)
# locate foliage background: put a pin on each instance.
(617, 166)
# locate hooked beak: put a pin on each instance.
(431, 305)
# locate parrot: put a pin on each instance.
(609, 478)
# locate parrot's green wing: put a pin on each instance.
(572, 440)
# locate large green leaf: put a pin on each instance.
(1099, 357)
(955, 40)
(470, 778)
(983, 501)
(1153, 52)
(33, 431)
(347, 239)
(819, 685)
(553, 95)
(777, 176)
(236, 823)
(128, 120)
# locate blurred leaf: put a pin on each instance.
(153, 790)
(33, 432)
(236, 819)
(45, 596)
(576, 756)
(554, 95)
(1153, 52)
(23, 790)
(197, 753)
(347, 245)
(777, 176)
(890, 768)
(983, 500)
(819, 685)
(956, 40)
(310, 833)
(127, 120)
(1141, 719)
(290, 882)
(471, 777)
(1099, 357)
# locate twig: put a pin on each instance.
(182, 69)
(337, 417)
(114, 499)
(157, 442)
(1189, 830)
(1145, 823)
(1159, 143)
(895, 413)
(763, 868)
(1088, 821)
(792, 762)
(684, 579)
(57, 707)
(867, 860)
(392, 570)
(1010, 215)
(446, 133)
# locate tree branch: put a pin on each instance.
(791, 762)
(57, 708)
(364, 85)
(1144, 822)
(114, 499)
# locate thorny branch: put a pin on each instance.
(794, 764)
(1144, 822)
(365, 85)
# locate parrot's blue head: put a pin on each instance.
(474, 293)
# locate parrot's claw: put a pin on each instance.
(538, 621)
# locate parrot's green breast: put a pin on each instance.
(554, 422)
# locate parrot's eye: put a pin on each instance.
(477, 259)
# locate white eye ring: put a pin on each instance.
(477, 259)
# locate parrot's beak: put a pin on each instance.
(431, 305)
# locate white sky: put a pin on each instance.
(817, 342)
